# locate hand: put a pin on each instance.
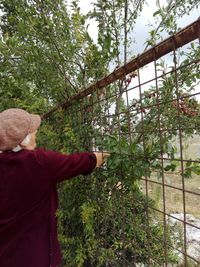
(101, 158)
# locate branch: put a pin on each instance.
(169, 9)
(125, 30)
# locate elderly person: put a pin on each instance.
(28, 196)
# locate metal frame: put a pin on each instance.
(99, 95)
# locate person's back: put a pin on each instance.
(29, 201)
(24, 210)
(28, 196)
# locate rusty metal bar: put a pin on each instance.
(162, 161)
(144, 150)
(171, 186)
(184, 36)
(180, 134)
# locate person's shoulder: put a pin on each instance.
(41, 152)
(39, 155)
(44, 151)
(45, 156)
(35, 152)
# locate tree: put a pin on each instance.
(47, 56)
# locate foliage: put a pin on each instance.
(116, 20)
(46, 56)
(166, 16)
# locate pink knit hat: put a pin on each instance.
(15, 125)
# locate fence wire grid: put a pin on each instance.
(146, 115)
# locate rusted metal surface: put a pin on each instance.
(183, 37)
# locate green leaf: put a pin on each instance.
(188, 163)
(156, 13)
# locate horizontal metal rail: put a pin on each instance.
(184, 36)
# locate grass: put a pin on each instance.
(174, 198)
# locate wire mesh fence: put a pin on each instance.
(143, 204)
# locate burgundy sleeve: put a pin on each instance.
(65, 166)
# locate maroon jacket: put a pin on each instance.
(28, 202)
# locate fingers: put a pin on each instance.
(105, 155)
(101, 158)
